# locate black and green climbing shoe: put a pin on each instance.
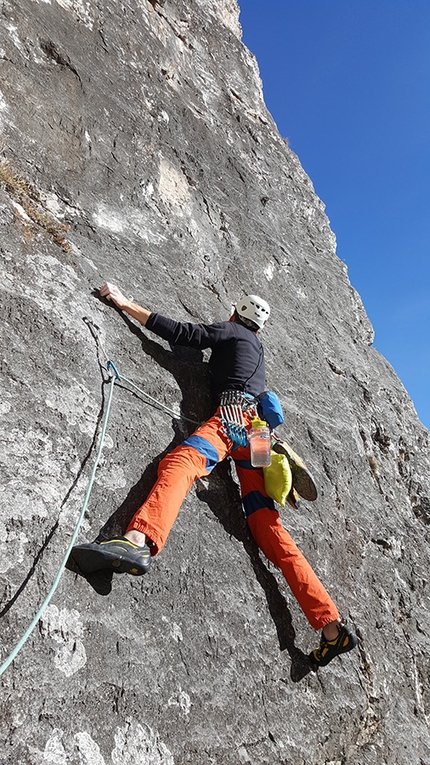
(328, 649)
(118, 554)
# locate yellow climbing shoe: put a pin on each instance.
(328, 649)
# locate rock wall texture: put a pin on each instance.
(136, 148)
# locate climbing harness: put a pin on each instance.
(233, 404)
(114, 376)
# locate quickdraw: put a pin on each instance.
(232, 406)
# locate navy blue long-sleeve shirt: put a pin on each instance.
(237, 359)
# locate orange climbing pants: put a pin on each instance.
(196, 457)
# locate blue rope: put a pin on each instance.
(42, 608)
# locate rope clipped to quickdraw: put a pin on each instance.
(110, 366)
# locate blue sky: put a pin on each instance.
(348, 84)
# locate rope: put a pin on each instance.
(114, 375)
(159, 404)
(48, 598)
(96, 333)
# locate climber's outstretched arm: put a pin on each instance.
(111, 292)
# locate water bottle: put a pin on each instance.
(259, 443)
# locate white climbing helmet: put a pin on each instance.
(254, 309)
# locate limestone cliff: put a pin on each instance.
(136, 147)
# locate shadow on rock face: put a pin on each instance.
(100, 581)
(186, 366)
(121, 517)
(191, 375)
(224, 501)
(300, 665)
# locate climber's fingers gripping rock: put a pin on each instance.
(112, 292)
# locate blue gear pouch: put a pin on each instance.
(270, 409)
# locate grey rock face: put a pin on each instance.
(136, 147)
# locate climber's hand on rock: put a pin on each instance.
(111, 292)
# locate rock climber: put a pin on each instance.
(237, 370)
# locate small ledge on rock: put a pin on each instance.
(334, 368)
